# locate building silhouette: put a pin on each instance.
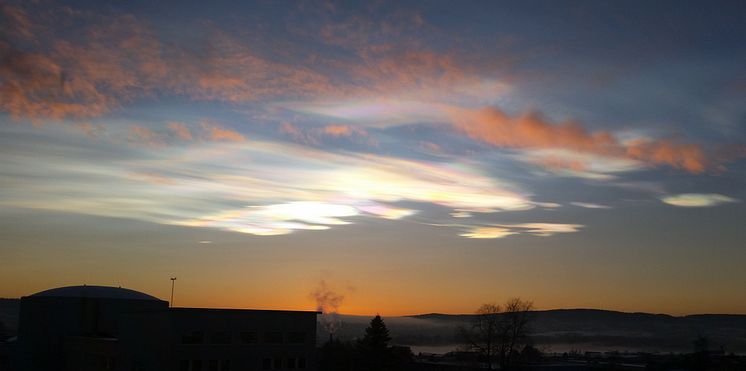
(86, 328)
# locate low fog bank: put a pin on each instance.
(565, 330)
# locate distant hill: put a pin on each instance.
(579, 329)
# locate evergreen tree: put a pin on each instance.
(376, 335)
(374, 350)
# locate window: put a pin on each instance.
(212, 365)
(220, 338)
(266, 363)
(248, 337)
(297, 337)
(190, 365)
(301, 362)
(273, 337)
(277, 363)
(225, 365)
(291, 363)
(195, 337)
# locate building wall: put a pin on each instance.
(91, 334)
(228, 340)
(46, 322)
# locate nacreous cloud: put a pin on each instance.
(255, 187)
(697, 199)
(535, 229)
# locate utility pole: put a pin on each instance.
(173, 282)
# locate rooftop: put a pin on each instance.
(104, 292)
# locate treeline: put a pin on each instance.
(372, 352)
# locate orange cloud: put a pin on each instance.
(216, 132)
(105, 61)
(142, 135)
(338, 130)
(232, 71)
(298, 134)
(686, 156)
(531, 130)
(181, 131)
(342, 131)
(289, 128)
(17, 22)
(314, 136)
(116, 59)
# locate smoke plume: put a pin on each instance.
(328, 302)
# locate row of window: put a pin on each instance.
(245, 337)
(211, 365)
(276, 363)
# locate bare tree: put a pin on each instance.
(515, 322)
(496, 333)
(484, 334)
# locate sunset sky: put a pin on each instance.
(408, 157)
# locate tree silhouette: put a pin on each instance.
(498, 333)
(485, 334)
(516, 318)
(375, 353)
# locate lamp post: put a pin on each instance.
(173, 282)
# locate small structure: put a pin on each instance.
(87, 328)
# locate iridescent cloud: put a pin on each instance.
(534, 229)
(571, 163)
(107, 61)
(252, 186)
(697, 199)
(589, 205)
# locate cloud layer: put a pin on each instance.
(697, 200)
(534, 229)
(531, 130)
(251, 186)
(389, 115)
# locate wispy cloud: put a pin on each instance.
(589, 205)
(533, 131)
(534, 229)
(60, 63)
(181, 131)
(102, 62)
(252, 186)
(318, 135)
(697, 199)
(80, 65)
(145, 136)
(571, 163)
(216, 132)
(342, 130)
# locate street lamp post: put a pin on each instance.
(173, 282)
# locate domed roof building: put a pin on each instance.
(102, 328)
(100, 292)
(59, 327)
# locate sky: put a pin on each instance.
(395, 157)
